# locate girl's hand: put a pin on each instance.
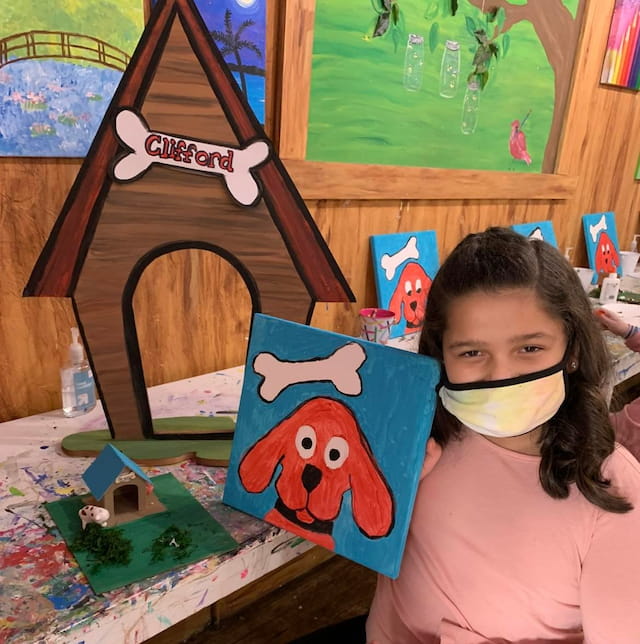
(611, 321)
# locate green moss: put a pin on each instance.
(106, 546)
(173, 541)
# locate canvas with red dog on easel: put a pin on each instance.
(404, 265)
(329, 441)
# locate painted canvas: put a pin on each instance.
(538, 230)
(622, 56)
(601, 239)
(238, 28)
(408, 83)
(404, 266)
(330, 442)
(60, 64)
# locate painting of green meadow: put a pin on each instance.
(406, 83)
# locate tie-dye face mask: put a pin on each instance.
(511, 407)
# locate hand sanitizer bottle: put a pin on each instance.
(78, 387)
(609, 289)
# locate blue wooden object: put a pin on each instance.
(403, 284)
(538, 230)
(603, 248)
(330, 438)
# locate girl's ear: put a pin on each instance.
(572, 365)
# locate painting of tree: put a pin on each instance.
(232, 43)
(473, 84)
(553, 23)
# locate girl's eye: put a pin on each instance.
(472, 353)
(531, 349)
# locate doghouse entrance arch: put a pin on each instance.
(126, 498)
(132, 342)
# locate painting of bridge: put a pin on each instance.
(59, 68)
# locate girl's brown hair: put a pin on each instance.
(576, 441)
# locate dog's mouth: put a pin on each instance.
(304, 519)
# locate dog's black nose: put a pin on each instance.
(413, 305)
(311, 477)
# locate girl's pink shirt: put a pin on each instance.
(490, 557)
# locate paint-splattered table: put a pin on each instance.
(45, 597)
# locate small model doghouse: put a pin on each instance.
(180, 161)
(117, 484)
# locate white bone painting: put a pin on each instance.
(404, 265)
(330, 438)
(538, 230)
(147, 147)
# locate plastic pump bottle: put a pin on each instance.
(609, 289)
(78, 387)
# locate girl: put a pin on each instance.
(626, 422)
(526, 526)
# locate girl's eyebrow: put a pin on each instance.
(537, 335)
(466, 343)
(525, 337)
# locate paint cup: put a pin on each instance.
(629, 260)
(586, 276)
(375, 324)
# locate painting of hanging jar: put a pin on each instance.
(470, 107)
(413, 63)
(450, 69)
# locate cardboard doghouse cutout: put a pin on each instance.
(117, 484)
(179, 161)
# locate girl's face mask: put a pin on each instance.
(505, 408)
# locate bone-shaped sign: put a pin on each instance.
(340, 368)
(233, 164)
(390, 263)
(596, 228)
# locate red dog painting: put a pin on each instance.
(410, 296)
(607, 259)
(323, 453)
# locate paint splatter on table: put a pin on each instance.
(44, 596)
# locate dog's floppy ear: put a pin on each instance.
(259, 463)
(371, 498)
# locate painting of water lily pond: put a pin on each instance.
(61, 62)
(434, 83)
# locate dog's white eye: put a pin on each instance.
(306, 441)
(336, 452)
(418, 285)
(407, 287)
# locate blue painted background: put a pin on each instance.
(546, 229)
(395, 411)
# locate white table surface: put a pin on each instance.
(45, 597)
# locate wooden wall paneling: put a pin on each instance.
(34, 333)
(299, 16)
(596, 164)
(601, 140)
(320, 180)
(188, 304)
(348, 225)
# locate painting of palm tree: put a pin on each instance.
(231, 43)
(243, 47)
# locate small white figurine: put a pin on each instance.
(94, 514)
